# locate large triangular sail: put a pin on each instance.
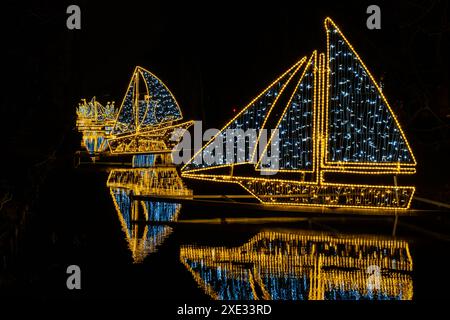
(249, 121)
(362, 128)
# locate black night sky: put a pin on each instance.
(215, 56)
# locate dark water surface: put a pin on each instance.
(236, 259)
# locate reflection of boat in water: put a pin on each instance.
(333, 125)
(95, 141)
(302, 266)
(149, 181)
(144, 239)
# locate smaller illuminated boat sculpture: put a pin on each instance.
(332, 124)
(148, 118)
(123, 184)
(147, 122)
(95, 122)
(94, 116)
(303, 266)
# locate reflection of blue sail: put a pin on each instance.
(231, 284)
(226, 286)
(143, 160)
(340, 294)
(284, 266)
(123, 203)
(161, 211)
(95, 143)
(288, 287)
(143, 239)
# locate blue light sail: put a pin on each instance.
(295, 134)
(238, 139)
(361, 125)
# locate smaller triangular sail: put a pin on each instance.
(295, 134)
(362, 127)
(236, 149)
(162, 104)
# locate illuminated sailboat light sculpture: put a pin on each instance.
(95, 122)
(148, 118)
(336, 121)
(93, 115)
